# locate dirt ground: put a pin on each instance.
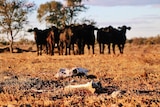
(27, 80)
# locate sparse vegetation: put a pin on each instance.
(3, 42)
(24, 41)
(135, 41)
(144, 41)
(135, 73)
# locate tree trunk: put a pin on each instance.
(11, 42)
(11, 46)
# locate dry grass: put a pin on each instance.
(136, 73)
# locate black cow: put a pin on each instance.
(43, 38)
(110, 35)
(56, 34)
(89, 37)
(104, 37)
(83, 35)
(77, 38)
(119, 37)
(40, 39)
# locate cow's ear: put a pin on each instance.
(129, 28)
(119, 27)
(29, 30)
(35, 29)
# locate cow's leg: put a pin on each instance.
(51, 49)
(93, 48)
(82, 48)
(76, 50)
(113, 48)
(40, 51)
(79, 48)
(53, 45)
(60, 48)
(65, 48)
(88, 46)
(119, 47)
(69, 50)
(122, 48)
(103, 47)
(72, 48)
(37, 50)
(47, 46)
(109, 48)
(48, 49)
(100, 48)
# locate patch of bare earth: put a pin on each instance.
(28, 80)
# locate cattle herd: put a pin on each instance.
(75, 37)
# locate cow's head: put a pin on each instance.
(68, 31)
(124, 27)
(30, 30)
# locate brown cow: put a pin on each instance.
(65, 40)
(50, 41)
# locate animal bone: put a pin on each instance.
(116, 94)
(65, 72)
(87, 86)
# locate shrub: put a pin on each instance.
(144, 41)
(3, 41)
(25, 41)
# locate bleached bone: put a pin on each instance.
(87, 86)
(65, 72)
(116, 94)
(40, 91)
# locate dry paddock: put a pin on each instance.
(136, 73)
